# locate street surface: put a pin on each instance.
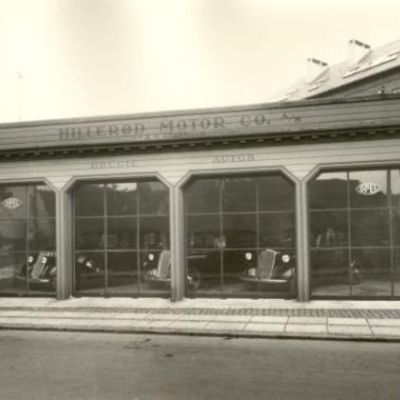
(58, 365)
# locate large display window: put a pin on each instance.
(240, 236)
(27, 239)
(354, 231)
(122, 238)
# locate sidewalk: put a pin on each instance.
(346, 320)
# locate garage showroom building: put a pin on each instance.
(298, 198)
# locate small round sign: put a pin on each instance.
(367, 188)
(11, 203)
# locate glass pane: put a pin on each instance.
(122, 272)
(35, 271)
(119, 233)
(395, 215)
(395, 187)
(373, 278)
(328, 190)
(122, 198)
(150, 261)
(235, 263)
(267, 272)
(396, 272)
(154, 198)
(239, 231)
(89, 199)
(277, 230)
(276, 192)
(42, 202)
(368, 266)
(202, 196)
(238, 194)
(13, 272)
(154, 233)
(12, 235)
(370, 228)
(42, 234)
(122, 233)
(89, 234)
(90, 272)
(330, 272)
(42, 271)
(204, 272)
(155, 269)
(368, 188)
(204, 232)
(328, 228)
(13, 202)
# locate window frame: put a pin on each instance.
(348, 168)
(238, 173)
(104, 180)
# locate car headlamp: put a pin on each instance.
(248, 256)
(89, 264)
(44, 260)
(286, 258)
(151, 257)
(81, 259)
(30, 259)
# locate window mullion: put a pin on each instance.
(221, 232)
(27, 239)
(105, 241)
(349, 230)
(390, 216)
(138, 250)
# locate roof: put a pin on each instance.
(374, 62)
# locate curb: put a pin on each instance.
(203, 333)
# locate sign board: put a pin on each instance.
(269, 119)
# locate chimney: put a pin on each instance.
(357, 51)
(315, 69)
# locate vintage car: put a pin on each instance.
(203, 259)
(273, 269)
(40, 269)
(121, 265)
(89, 268)
(207, 251)
(157, 271)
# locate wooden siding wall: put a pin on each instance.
(312, 116)
(299, 160)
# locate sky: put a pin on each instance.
(77, 58)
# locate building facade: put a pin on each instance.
(284, 200)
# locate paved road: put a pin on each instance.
(58, 365)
